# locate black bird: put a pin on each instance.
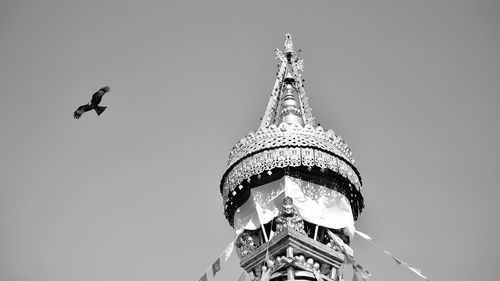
(93, 104)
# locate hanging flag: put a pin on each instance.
(260, 208)
(398, 261)
(316, 203)
(417, 271)
(359, 271)
(229, 250)
(243, 276)
(364, 235)
(268, 199)
(319, 204)
(355, 277)
(345, 248)
(216, 266)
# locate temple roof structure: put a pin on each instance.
(289, 142)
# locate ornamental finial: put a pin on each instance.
(288, 43)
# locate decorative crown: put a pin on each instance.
(288, 139)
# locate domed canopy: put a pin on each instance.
(289, 143)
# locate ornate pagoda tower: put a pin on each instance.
(291, 190)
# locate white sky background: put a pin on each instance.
(412, 86)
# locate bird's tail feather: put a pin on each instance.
(99, 109)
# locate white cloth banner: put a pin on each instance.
(261, 207)
(317, 204)
(268, 199)
(246, 217)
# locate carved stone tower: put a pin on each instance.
(291, 191)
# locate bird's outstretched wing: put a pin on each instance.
(97, 96)
(81, 110)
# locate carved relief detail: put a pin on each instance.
(245, 244)
(289, 217)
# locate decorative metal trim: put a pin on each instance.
(290, 135)
(280, 157)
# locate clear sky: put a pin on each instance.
(412, 86)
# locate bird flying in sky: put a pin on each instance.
(93, 104)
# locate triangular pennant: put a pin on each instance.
(358, 269)
(228, 251)
(343, 246)
(398, 261)
(364, 235)
(216, 266)
(355, 277)
(418, 272)
(416, 269)
(243, 276)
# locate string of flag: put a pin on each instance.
(415, 270)
(217, 265)
(359, 271)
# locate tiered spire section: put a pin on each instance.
(291, 156)
(288, 102)
(288, 140)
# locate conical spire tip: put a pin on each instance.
(288, 43)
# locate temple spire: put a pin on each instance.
(288, 102)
